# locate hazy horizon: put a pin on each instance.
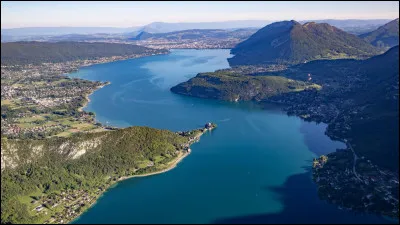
(135, 14)
(183, 22)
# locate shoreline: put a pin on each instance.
(331, 185)
(109, 184)
(86, 96)
(171, 166)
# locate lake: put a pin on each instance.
(254, 167)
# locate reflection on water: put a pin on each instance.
(234, 171)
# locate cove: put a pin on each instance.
(253, 168)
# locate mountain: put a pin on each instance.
(352, 26)
(233, 86)
(32, 33)
(99, 37)
(7, 38)
(143, 36)
(358, 99)
(47, 33)
(289, 42)
(197, 34)
(39, 52)
(385, 36)
(161, 27)
(349, 22)
(35, 169)
(156, 27)
(38, 31)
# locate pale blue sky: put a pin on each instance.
(127, 14)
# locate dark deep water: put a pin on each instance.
(254, 168)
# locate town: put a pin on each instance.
(339, 114)
(206, 43)
(40, 101)
(65, 206)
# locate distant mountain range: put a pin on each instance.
(17, 34)
(289, 42)
(197, 34)
(21, 53)
(156, 27)
(38, 31)
(385, 36)
(160, 27)
(66, 37)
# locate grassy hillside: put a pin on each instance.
(289, 42)
(358, 99)
(385, 36)
(20, 53)
(232, 86)
(34, 168)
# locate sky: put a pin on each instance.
(128, 14)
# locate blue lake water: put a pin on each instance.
(255, 167)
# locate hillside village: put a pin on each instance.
(356, 183)
(319, 73)
(40, 101)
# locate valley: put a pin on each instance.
(103, 108)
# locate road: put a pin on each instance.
(354, 161)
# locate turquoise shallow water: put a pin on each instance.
(253, 168)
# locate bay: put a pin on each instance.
(254, 167)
